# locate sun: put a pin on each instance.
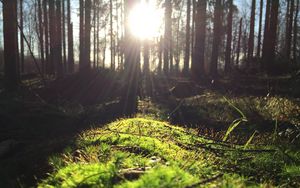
(145, 20)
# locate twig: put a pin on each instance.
(205, 181)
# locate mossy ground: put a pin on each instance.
(142, 152)
(171, 142)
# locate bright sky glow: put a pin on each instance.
(146, 20)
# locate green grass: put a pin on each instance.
(142, 152)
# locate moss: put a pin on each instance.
(171, 157)
(164, 177)
(82, 175)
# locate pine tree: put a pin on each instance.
(10, 34)
(187, 40)
(251, 35)
(229, 38)
(216, 38)
(200, 35)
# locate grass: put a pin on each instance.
(149, 150)
(142, 152)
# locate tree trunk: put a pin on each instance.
(160, 52)
(251, 35)
(88, 5)
(229, 38)
(97, 36)
(295, 33)
(112, 55)
(194, 5)
(271, 36)
(59, 63)
(216, 39)
(64, 37)
(288, 42)
(94, 34)
(239, 43)
(52, 31)
(82, 63)
(70, 39)
(187, 40)
(167, 35)
(46, 32)
(10, 35)
(41, 34)
(200, 35)
(132, 69)
(22, 58)
(266, 34)
(260, 28)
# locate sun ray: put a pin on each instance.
(146, 20)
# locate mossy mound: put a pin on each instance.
(147, 153)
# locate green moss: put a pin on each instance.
(172, 157)
(82, 175)
(164, 177)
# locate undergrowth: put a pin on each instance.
(142, 152)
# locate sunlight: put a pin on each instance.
(146, 20)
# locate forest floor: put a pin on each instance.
(230, 133)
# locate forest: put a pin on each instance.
(149, 93)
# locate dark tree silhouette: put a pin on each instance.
(10, 33)
(229, 37)
(260, 28)
(81, 36)
(289, 29)
(239, 43)
(41, 34)
(22, 57)
(167, 36)
(251, 35)
(52, 31)
(87, 47)
(270, 36)
(64, 47)
(200, 35)
(216, 39)
(46, 33)
(187, 40)
(132, 66)
(295, 32)
(58, 42)
(70, 39)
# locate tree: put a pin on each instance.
(41, 34)
(187, 40)
(58, 48)
(82, 63)
(239, 43)
(52, 31)
(88, 5)
(295, 32)
(167, 35)
(260, 28)
(64, 37)
(132, 65)
(270, 35)
(216, 38)
(289, 29)
(251, 35)
(160, 52)
(10, 34)
(70, 39)
(229, 38)
(46, 32)
(21, 37)
(200, 35)
(112, 46)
